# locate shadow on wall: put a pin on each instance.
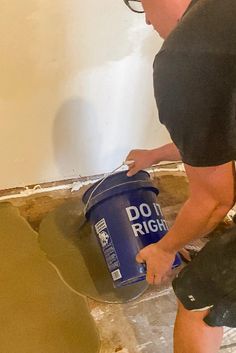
(76, 138)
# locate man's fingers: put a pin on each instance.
(132, 171)
(157, 280)
(139, 259)
(129, 162)
(152, 277)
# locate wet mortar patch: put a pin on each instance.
(38, 313)
(75, 252)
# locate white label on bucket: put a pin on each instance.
(104, 238)
(100, 226)
(108, 247)
(142, 226)
(116, 275)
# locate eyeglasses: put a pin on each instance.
(134, 5)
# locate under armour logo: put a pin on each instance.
(191, 297)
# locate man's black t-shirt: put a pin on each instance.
(195, 83)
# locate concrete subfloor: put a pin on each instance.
(144, 324)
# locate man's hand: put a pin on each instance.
(158, 262)
(146, 158)
(142, 159)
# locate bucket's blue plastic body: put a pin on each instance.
(126, 217)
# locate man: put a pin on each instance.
(195, 91)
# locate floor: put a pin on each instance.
(58, 297)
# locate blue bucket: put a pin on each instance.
(126, 217)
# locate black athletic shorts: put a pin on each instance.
(210, 281)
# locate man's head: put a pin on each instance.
(163, 15)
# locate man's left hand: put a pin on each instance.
(158, 262)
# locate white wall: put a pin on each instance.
(75, 89)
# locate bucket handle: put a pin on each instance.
(103, 179)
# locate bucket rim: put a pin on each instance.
(125, 183)
(115, 174)
(98, 198)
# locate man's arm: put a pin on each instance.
(211, 197)
(146, 158)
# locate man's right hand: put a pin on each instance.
(146, 158)
(141, 159)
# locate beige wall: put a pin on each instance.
(75, 89)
